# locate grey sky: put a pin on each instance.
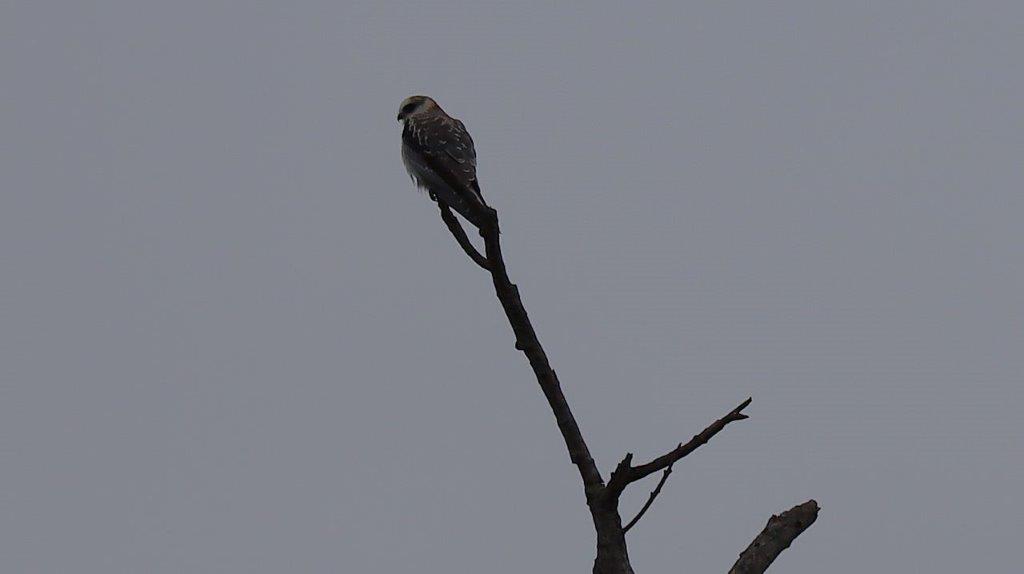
(234, 339)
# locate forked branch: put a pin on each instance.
(650, 499)
(603, 500)
(460, 236)
(625, 473)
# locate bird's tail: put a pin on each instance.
(471, 205)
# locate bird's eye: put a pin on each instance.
(407, 108)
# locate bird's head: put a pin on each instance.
(414, 105)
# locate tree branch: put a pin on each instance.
(529, 344)
(650, 499)
(460, 235)
(625, 473)
(780, 532)
(612, 555)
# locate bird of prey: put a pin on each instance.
(439, 156)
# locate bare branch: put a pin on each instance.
(612, 555)
(529, 344)
(625, 473)
(780, 532)
(650, 499)
(460, 235)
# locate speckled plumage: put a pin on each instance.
(440, 157)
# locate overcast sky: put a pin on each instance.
(234, 339)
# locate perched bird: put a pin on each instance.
(439, 156)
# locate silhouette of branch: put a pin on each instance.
(529, 344)
(780, 532)
(650, 499)
(625, 473)
(460, 235)
(603, 500)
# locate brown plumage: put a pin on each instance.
(439, 155)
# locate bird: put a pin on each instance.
(440, 157)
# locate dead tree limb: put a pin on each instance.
(529, 344)
(460, 236)
(780, 532)
(602, 500)
(625, 473)
(612, 557)
(650, 499)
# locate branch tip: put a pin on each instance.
(625, 474)
(781, 530)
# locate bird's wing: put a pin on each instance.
(448, 148)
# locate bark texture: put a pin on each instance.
(781, 531)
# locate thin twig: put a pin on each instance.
(625, 473)
(780, 532)
(650, 499)
(460, 236)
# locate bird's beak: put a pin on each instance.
(399, 117)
